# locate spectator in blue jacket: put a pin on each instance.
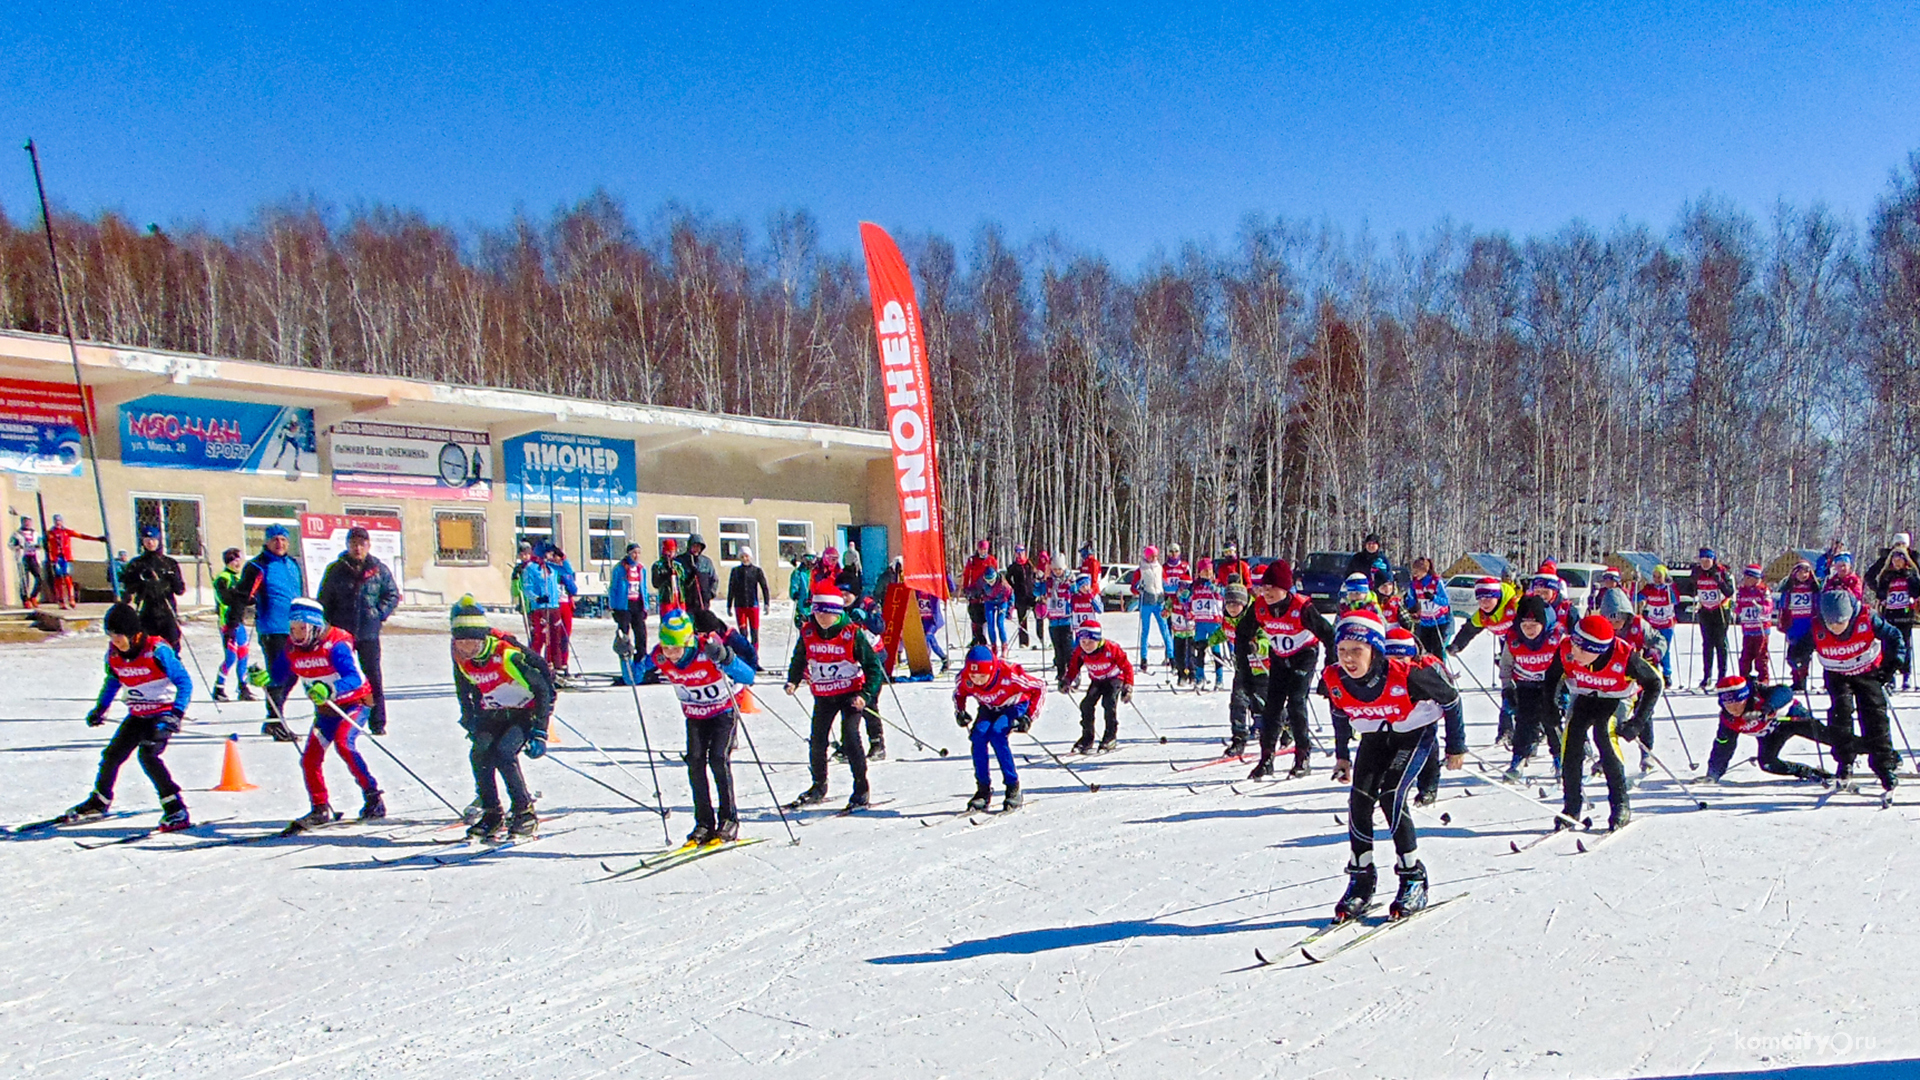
(540, 599)
(273, 580)
(629, 597)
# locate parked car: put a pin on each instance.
(1116, 587)
(1460, 594)
(1579, 581)
(1319, 576)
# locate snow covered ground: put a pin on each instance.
(1108, 934)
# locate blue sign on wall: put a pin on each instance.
(549, 466)
(163, 432)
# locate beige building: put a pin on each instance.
(215, 451)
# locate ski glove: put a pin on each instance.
(713, 650)
(1126, 693)
(318, 692)
(96, 717)
(169, 723)
(960, 717)
(622, 646)
(258, 676)
(536, 744)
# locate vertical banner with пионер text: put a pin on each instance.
(909, 389)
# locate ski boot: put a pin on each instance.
(220, 693)
(173, 815)
(727, 833)
(1805, 772)
(377, 726)
(1109, 742)
(487, 824)
(473, 811)
(1413, 890)
(91, 808)
(1513, 775)
(246, 693)
(815, 794)
(877, 750)
(1300, 767)
(982, 797)
(526, 824)
(858, 800)
(1426, 796)
(1646, 759)
(1236, 746)
(1888, 780)
(1621, 816)
(278, 731)
(1084, 745)
(320, 814)
(1014, 799)
(1710, 778)
(700, 835)
(1264, 770)
(374, 808)
(1361, 879)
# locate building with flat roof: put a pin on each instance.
(214, 451)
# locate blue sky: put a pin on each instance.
(1129, 129)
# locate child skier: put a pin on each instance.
(998, 596)
(1860, 653)
(322, 658)
(158, 689)
(1180, 621)
(1295, 630)
(1394, 707)
(703, 671)
(1898, 586)
(1431, 607)
(1206, 608)
(506, 697)
(1712, 591)
(1010, 701)
(843, 673)
(1799, 597)
(1749, 708)
(1057, 596)
(1247, 700)
(230, 609)
(1109, 682)
(1534, 649)
(1753, 610)
(1601, 671)
(1659, 604)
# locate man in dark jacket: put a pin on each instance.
(359, 595)
(747, 589)
(1371, 560)
(151, 581)
(698, 569)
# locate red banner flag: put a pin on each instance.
(903, 369)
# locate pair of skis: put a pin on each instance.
(1334, 938)
(660, 862)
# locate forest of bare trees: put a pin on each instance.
(1744, 381)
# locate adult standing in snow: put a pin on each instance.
(506, 704)
(800, 587)
(1370, 560)
(1395, 708)
(25, 544)
(1861, 654)
(746, 588)
(1149, 584)
(60, 540)
(273, 580)
(1230, 567)
(152, 582)
(1024, 578)
(358, 594)
(842, 671)
(703, 580)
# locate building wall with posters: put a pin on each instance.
(215, 451)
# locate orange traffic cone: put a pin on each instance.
(745, 700)
(232, 776)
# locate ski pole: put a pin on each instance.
(1698, 802)
(1819, 748)
(341, 713)
(1691, 764)
(916, 739)
(652, 769)
(584, 775)
(1144, 720)
(1558, 815)
(767, 704)
(1056, 760)
(1901, 728)
(778, 808)
(195, 657)
(902, 706)
(595, 747)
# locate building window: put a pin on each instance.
(796, 539)
(459, 538)
(607, 539)
(674, 528)
(735, 533)
(533, 528)
(178, 519)
(256, 515)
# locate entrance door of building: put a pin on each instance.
(871, 542)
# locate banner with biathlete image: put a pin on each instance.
(164, 432)
(410, 461)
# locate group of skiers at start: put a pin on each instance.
(1396, 713)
